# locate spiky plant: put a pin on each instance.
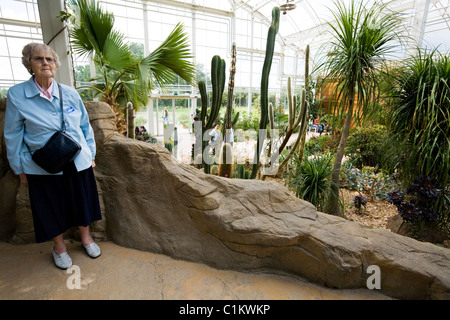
(360, 39)
(419, 116)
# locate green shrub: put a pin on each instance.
(248, 121)
(365, 146)
(321, 144)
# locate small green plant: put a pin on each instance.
(374, 183)
(311, 178)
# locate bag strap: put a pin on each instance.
(63, 121)
(63, 124)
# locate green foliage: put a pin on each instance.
(140, 121)
(310, 179)
(365, 146)
(375, 184)
(419, 116)
(248, 121)
(3, 93)
(124, 76)
(361, 37)
(321, 145)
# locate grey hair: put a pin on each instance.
(30, 48)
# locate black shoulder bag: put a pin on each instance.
(59, 150)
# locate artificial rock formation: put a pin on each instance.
(155, 204)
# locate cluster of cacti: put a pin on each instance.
(218, 85)
(272, 33)
(292, 122)
(242, 172)
(302, 117)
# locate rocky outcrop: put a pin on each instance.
(155, 204)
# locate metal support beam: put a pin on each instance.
(418, 24)
(55, 34)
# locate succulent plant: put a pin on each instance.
(360, 201)
(270, 46)
(218, 85)
(395, 197)
(417, 201)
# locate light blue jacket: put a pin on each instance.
(33, 119)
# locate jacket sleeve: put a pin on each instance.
(13, 132)
(86, 128)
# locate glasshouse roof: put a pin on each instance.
(214, 25)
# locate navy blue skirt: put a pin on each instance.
(60, 202)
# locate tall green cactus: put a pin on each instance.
(227, 152)
(230, 100)
(218, 86)
(292, 122)
(303, 116)
(271, 36)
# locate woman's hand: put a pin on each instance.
(23, 179)
(93, 164)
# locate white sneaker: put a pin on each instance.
(62, 260)
(93, 250)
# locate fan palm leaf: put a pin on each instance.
(93, 27)
(170, 59)
(125, 77)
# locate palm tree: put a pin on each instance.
(121, 75)
(361, 37)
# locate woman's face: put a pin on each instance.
(43, 63)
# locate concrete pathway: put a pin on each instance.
(27, 272)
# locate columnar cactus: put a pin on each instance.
(230, 100)
(224, 168)
(218, 85)
(130, 121)
(292, 122)
(272, 33)
(226, 164)
(301, 117)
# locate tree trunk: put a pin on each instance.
(333, 203)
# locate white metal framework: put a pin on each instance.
(213, 25)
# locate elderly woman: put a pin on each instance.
(33, 113)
